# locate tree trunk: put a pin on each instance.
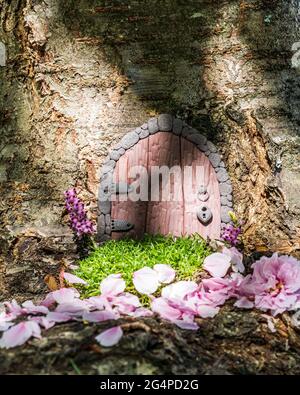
(80, 74)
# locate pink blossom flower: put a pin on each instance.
(110, 337)
(274, 284)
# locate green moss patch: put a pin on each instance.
(185, 255)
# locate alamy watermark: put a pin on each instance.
(157, 183)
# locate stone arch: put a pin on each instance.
(162, 123)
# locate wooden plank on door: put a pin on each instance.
(191, 158)
(132, 211)
(165, 216)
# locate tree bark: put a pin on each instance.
(81, 74)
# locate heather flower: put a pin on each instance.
(79, 221)
(230, 233)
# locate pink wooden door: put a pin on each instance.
(176, 215)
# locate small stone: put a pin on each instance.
(225, 201)
(225, 188)
(144, 126)
(229, 197)
(215, 159)
(211, 146)
(105, 206)
(107, 219)
(108, 166)
(224, 214)
(121, 151)
(197, 139)
(165, 122)
(207, 153)
(202, 147)
(187, 130)
(108, 230)
(101, 224)
(222, 164)
(138, 130)
(118, 146)
(177, 126)
(144, 134)
(114, 155)
(153, 125)
(129, 140)
(222, 175)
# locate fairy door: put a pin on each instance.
(172, 189)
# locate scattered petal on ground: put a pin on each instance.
(112, 285)
(19, 334)
(165, 273)
(110, 337)
(72, 279)
(146, 281)
(217, 264)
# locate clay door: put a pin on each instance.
(170, 207)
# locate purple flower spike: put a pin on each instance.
(79, 221)
(231, 233)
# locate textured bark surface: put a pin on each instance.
(80, 74)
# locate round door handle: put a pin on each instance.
(204, 215)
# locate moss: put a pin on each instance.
(185, 255)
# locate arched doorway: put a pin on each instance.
(163, 178)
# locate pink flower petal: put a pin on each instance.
(76, 307)
(112, 285)
(99, 302)
(32, 309)
(54, 316)
(165, 273)
(178, 291)
(146, 281)
(217, 264)
(187, 322)
(72, 279)
(110, 337)
(141, 312)
(99, 316)
(244, 303)
(206, 311)
(14, 308)
(43, 321)
(63, 295)
(236, 259)
(162, 307)
(5, 325)
(19, 334)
